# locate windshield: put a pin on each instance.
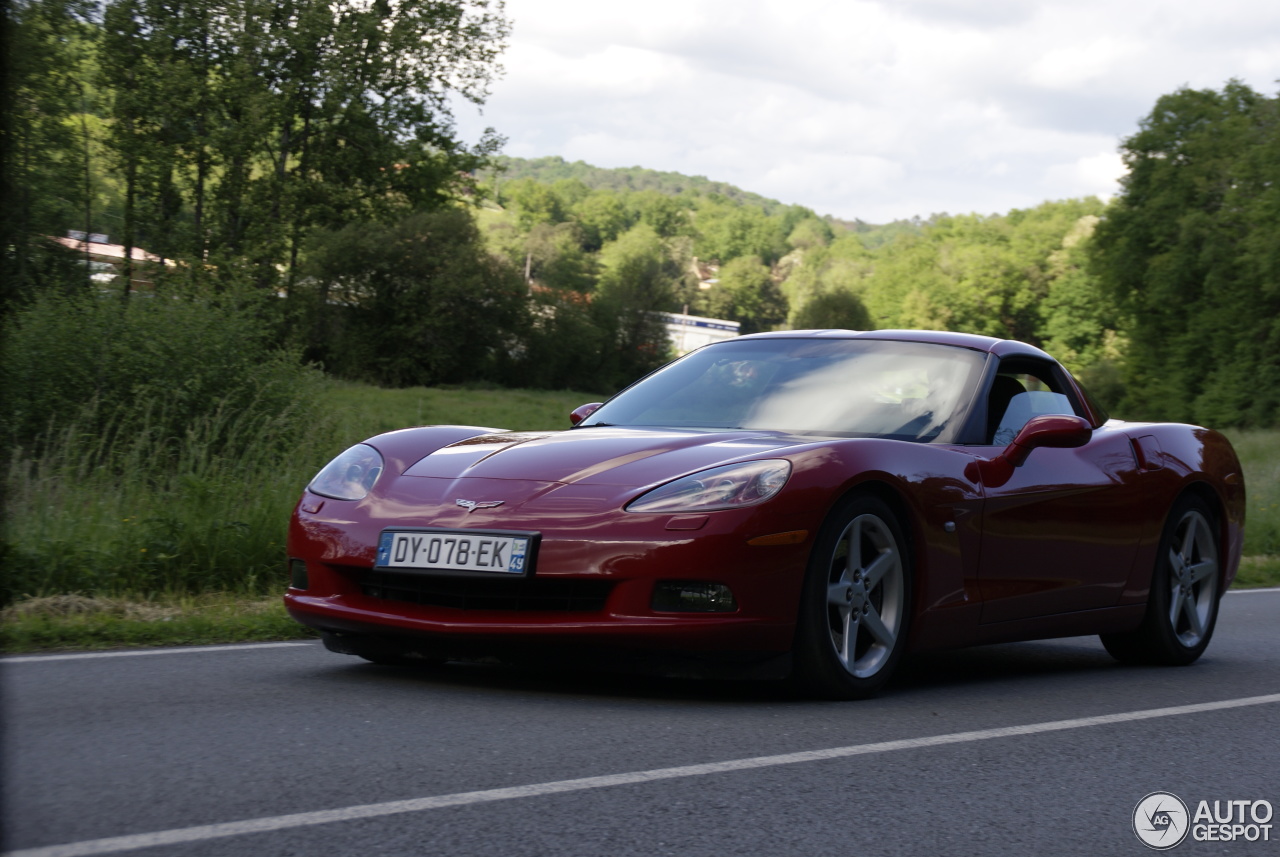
(838, 387)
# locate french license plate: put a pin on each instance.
(456, 550)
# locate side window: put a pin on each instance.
(1023, 389)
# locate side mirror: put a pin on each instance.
(1051, 430)
(582, 412)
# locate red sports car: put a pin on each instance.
(811, 504)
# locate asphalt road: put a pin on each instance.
(285, 749)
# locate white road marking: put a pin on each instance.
(92, 847)
(79, 656)
(1252, 591)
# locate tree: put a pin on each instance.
(666, 215)
(416, 302)
(242, 125)
(1188, 252)
(1079, 322)
(571, 191)
(726, 231)
(809, 233)
(130, 67)
(554, 258)
(638, 278)
(837, 308)
(992, 274)
(563, 346)
(536, 203)
(845, 264)
(603, 217)
(45, 48)
(748, 295)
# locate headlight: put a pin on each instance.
(731, 487)
(350, 476)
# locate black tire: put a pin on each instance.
(1182, 609)
(854, 615)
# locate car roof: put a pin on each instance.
(972, 341)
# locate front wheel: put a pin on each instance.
(1182, 609)
(855, 609)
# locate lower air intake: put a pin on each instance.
(568, 596)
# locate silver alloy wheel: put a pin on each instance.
(1193, 566)
(865, 595)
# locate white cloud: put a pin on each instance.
(1071, 67)
(875, 109)
(1090, 175)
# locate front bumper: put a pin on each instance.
(592, 584)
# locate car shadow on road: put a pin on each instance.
(506, 680)
(1004, 663)
(977, 668)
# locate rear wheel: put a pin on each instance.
(1182, 608)
(855, 609)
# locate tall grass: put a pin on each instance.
(143, 513)
(1259, 453)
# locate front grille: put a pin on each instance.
(462, 593)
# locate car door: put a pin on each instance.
(1058, 535)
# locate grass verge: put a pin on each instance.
(1258, 571)
(79, 622)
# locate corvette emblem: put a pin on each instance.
(472, 505)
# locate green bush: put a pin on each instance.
(146, 446)
(416, 302)
(161, 365)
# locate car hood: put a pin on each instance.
(596, 456)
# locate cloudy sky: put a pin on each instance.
(871, 109)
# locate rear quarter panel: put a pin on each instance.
(1176, 459)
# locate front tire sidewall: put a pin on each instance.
(819, 669)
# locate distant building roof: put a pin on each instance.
(110, 252)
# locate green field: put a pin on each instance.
(363, 410)
(1259, 453)
(95, 558)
